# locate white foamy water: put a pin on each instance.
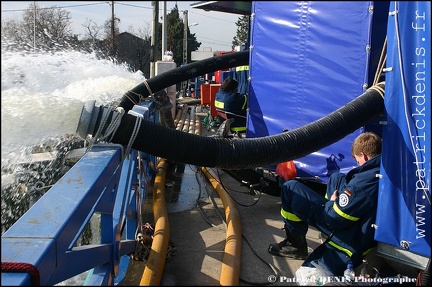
(42, 95)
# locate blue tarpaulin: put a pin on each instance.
(404, 210)
(307, 59)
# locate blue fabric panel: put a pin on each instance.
(404, 210)
(307, 59)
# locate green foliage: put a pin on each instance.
(175, 33)
(242, 34)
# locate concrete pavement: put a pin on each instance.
(198, 230)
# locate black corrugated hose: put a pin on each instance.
(245, 153)
(424, 276)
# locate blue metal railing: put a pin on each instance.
(101, 190)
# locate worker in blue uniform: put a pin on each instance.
(241, 74)
(229, 100)
(346, 214)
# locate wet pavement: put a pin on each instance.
(198, 230)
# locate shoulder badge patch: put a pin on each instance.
(343, 200)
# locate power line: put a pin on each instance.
(99, 3)
(61, 7)
(136, 6)
(207, 16)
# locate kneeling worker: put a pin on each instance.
(346, 216)
(229, 100)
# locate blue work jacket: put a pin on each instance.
(353, 213)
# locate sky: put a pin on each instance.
(214, 30)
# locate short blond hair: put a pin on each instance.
(368, 143)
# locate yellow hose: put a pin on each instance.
(153, 271)
(230, 272)
(155, 264)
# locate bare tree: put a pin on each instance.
(92, 37)
(15, 35)
(143, 33)
(41, 28)
(110, 33)
(93, 31)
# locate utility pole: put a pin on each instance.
(185, 35)
(185, 42)
(34, 26)
(112, 28)
(164, 29)
(154, 38)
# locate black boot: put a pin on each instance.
(292, 247)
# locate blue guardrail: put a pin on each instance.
(102, 192)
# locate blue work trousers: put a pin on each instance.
(308, 205)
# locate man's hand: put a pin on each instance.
(334, 195)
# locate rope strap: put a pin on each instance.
(18, 267)
(140, 97)
(148, 88)
(134, 134)
(115, 123)
(117, 115)
(378, 89)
